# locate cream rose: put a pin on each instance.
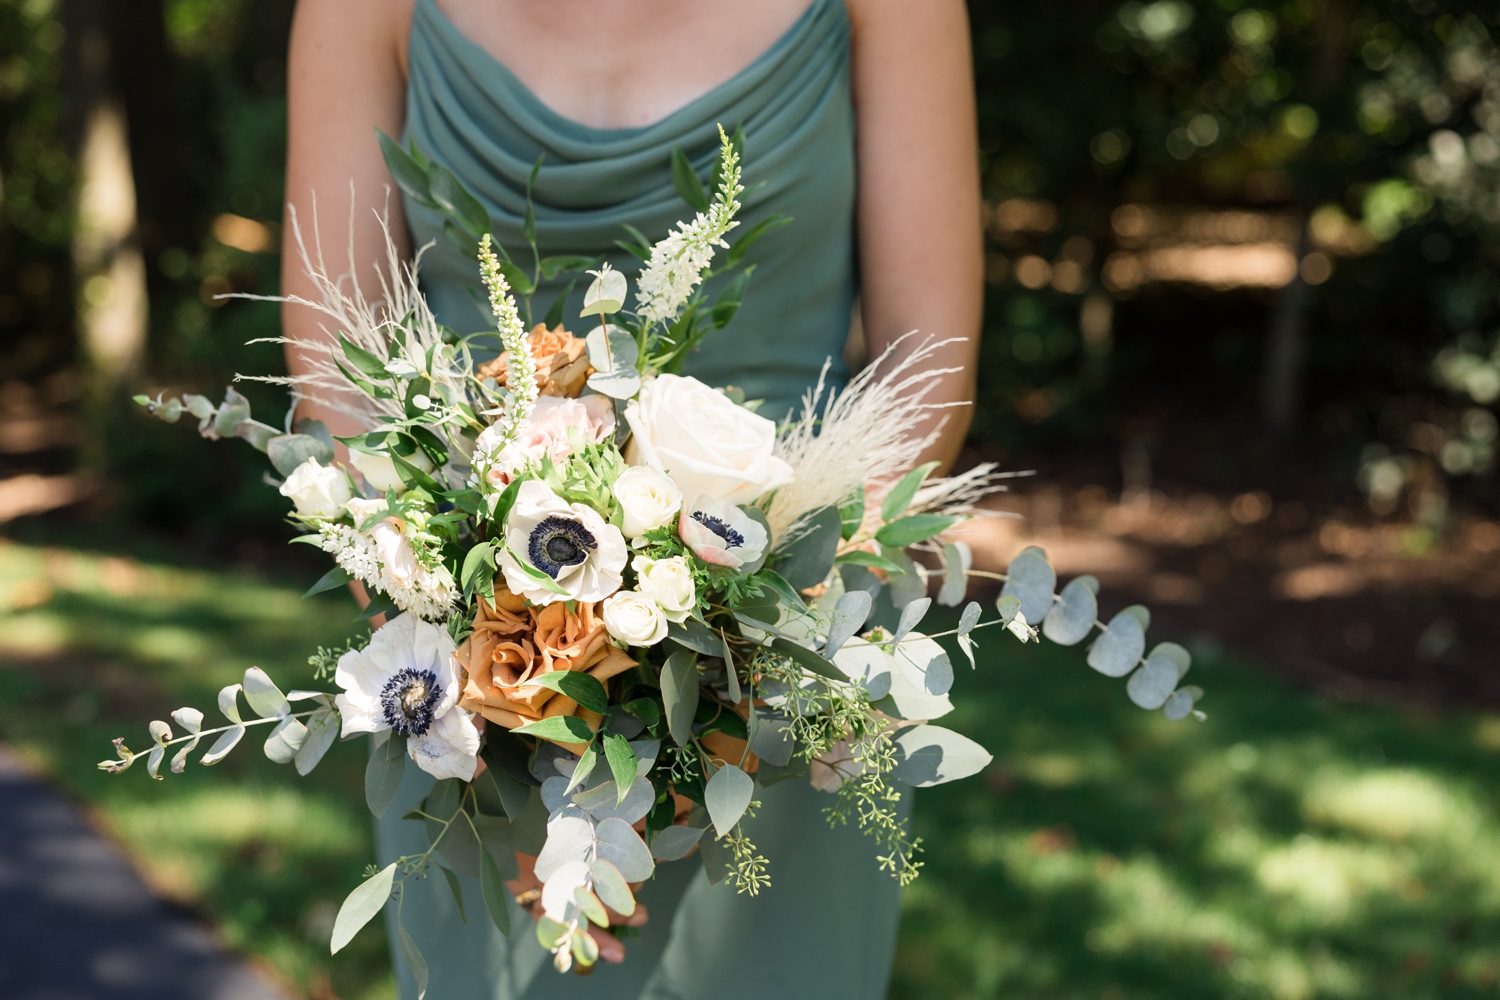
(648, 499)
(634, 619)
(317, 490)
(668, 582)
(706, 443)
(380, 472)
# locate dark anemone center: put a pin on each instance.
(718, 526)
(408, 700)
(557, 542)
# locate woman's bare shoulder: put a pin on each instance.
(356, 30)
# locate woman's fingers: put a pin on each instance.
(611, 948)
(636, 919)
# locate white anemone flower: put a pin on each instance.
(406, 681)
(720, 533)
(578, 550)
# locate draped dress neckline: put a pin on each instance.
(548, 119)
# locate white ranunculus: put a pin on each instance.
(406, 680)
(648, 499)
(570, 543)
(317, 490)
(705, 442)
(721, 533)
(634, 619)
(668, 582)
(380, 472)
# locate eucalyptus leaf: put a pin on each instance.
(674, 842)
(1031, 579)
(361, 906)
(911, 616)
(457, 891)
(1116, 652)
(1072, 616)
(969, 618)
(618, 844)
(849, 615)
(679, 690)
(1007, 606)
(808, 556)
(285, 740)
(806, 658)
(221, 746)
(910, 584)
(1153, 682)
(1180, 705)
(932, 755)
(1177, 654)
(383, 773)
(925, 664)
(583, 769)
(1140, 613)
(492, 888)
(288, 451)
(771, 739)
(412, 956)
(265, 698)
(612, 888)
(694, 635)
(958, 558)
(727, 796)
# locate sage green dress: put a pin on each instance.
(826, 928)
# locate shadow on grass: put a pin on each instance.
(1289, 848)
(93, 647)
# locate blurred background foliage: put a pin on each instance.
(1256, 245)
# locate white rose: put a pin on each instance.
(648, 499)
(392, 547)
(634, 619)
(706, 443)
(668, 582)
(317, 490)
(571, 543)
(380, 472)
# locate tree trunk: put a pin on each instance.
(1286, 349)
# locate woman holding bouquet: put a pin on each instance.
(858, 124)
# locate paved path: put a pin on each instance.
(77, 923)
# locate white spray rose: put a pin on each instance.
(648, 499)
(380, 472)
(668, 582)
(317, 490)
(708, 444)
(634, 619)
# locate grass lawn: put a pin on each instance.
(1288, 848)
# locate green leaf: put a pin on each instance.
(789, 597)
(519, 283)
(685, 180)
(622, 762)
(852, 512)
(431, 444)
(413, 477)
(412, 956)
(579, 686)
(383, 773)
(409, 176)
(679, 692)
(694, 635)
(457, 890)
(507, 501)
(727, 796)
(807, 658)
(551, 267)
(361, 905)
(584, 768)
(554, 315)
(546, 581)
(287, 451)
(454, 200)
(562, 728)
(738, 249)
(363, 359)
(528, 225)
(900, 496)
(332, 580)
(808, 558)
(492, 888)
(731, 674)
(870, 560)
(728, 302)
(468, 246)
(265, 698)
(644, 709)
(478, 574)
(913, 529)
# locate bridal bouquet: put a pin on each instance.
(620, 601)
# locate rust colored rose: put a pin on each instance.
(562, 364)
(513, 644)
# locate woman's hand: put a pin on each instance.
(528, 892)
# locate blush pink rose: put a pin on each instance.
(546, 433)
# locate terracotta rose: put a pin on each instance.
(513, 644)
(562, 364)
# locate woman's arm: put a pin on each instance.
(920, 243)
(345, 78)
